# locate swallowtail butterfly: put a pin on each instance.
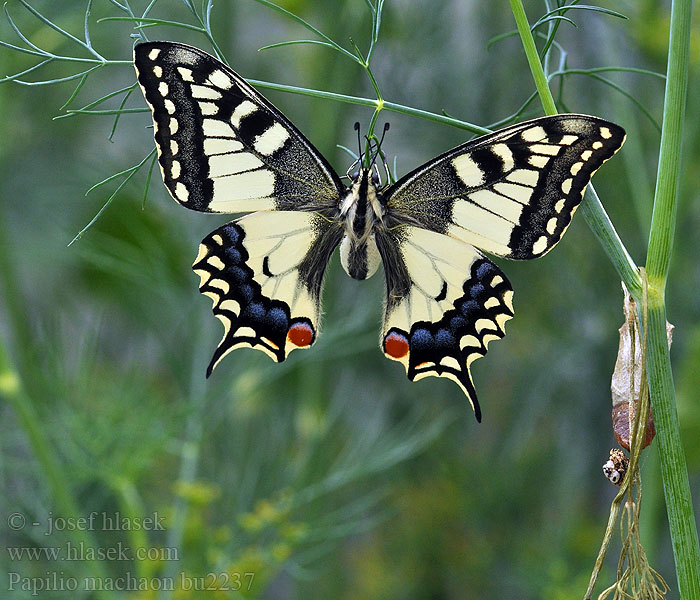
(223, 148)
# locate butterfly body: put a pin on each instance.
(362, 212)
(223, 147)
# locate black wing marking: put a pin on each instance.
(222, 147)
(511, 193)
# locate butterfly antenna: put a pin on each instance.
(359, 140)
(378, 148)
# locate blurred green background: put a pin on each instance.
(330, 475)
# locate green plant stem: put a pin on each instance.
(591, 207)
(679, 506)
(664, 213)
(601, 226)
(371, 102)
(533, 58)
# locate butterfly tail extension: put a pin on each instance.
(445, 303)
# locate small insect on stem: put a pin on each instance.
(616, 466)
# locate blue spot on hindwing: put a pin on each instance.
(484, 269)
(421, 339)
(443, 337)
(476, 290)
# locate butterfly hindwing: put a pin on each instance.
(222, 147)
(445, 303)
(263, 273)
(511, 193)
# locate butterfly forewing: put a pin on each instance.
(511, 193)
(222, 147)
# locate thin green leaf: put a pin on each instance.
(207, 13)
(131, 172)
(78, 59)
(57, 80)
(620, 69)
(358, 53)
(550, 41)
(376, 24)
(25, 50)
(112, 178)
(378, 17)
(498, 38)
(55, 27)
(118, 116)
(600, 9)
(20, 34)
(549, 19)
(149, 8)
(101, 100)
(514, 116)
(77, 89)
(29, 70)
(191, 6)
(86, 25)
(295, 42)
(369, 102)
(424, 114)
(346, 149)
(107, 112)
(308, 26)
(613, 85)
(151, 22)
(148, 181)
(280, 87)
(119, 6)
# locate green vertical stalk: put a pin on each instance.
(663, 217)
(679, 506)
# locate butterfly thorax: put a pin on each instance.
(361, 211)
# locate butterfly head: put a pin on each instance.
(365, 167)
